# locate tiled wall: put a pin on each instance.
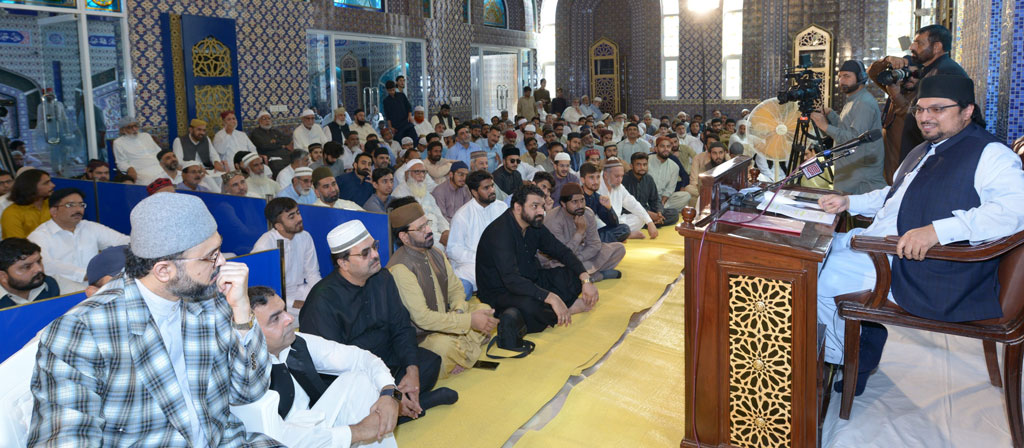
(991, 50)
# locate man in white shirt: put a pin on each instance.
(299, 159)
(352, 149)
(135, 152)
(301, 188)
(357, 408)
(302, 270)
(692, 138)
(444, 116)
(68, 242)
(196, 146)
(228, 141)
(421, 125)
(361, 127)
(234, 184)
(169, 166)
(325, 185)
(260, 184)
(308, 132)
(621, 200)
(22, 276)
(469, 223)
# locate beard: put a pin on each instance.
(172, 167)
(849, 89)
(360, 122)
(33, 283)
(265, 127)
(261, 174)
(427, 243)
(189, 290)
(363, 172)
(330, 199)
(298, 228)
(417, 188)
(537, 221)
(578, 212)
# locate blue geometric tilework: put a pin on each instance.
(995, 32)
(1015, 112)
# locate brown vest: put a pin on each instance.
(425, 268)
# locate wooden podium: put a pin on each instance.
(753, 371)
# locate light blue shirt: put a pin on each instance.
(493, 155)
(460, 152)
(289, 192)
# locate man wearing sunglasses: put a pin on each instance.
(68, 241)
(961, 184)
(359, 304)
(158, 356)
(507, 177)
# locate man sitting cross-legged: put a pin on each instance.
(575, 225)
(446, 323)
(359, 407)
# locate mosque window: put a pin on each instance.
(375, 5)
(427, 9)
(670, 48)
(732, 48)
(494, 13)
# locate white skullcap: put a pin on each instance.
(448, 133)
(530, 128)
(418, 109)
(620, 114)
(423, 141)
(248, 158)
(346, 235)
(262, 113)
(190, 163)
(307, 113)
(562, 156)
(169, 223)
(18, 152)
(303, 171)
(22, 170)
(642, 126)
(597, 98)
(406, 140)
(521, 121)
(127, 121)
(606, 116)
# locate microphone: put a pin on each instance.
(866, 137)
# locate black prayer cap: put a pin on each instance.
(955, 87)
(509, 150)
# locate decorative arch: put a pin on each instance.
(495, 14)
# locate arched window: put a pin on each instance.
(494, 13)
(546, 52)
(732, 49)
(670, 48)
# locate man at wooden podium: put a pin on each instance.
(961, 184)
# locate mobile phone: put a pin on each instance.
(488, 365)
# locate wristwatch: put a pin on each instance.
(244, 326)
(392, 392)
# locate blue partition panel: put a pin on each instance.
(22, 323)
(319, 221)
(116, 202)
(87, 188)
(264, 268)
(240, 219)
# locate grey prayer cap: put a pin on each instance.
(169, 223)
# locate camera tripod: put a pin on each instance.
(805, 130)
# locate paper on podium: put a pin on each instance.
(785, 205)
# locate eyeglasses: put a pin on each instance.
(932, 110)
(366, 252)
(73, 205)
(418, 171)
(420, 228)
(212, 258)
(514, 161)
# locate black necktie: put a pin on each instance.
(281, 382)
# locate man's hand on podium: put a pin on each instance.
(834, 203)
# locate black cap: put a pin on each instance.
(955, 87)
(509, 150)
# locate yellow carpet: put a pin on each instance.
(493, 404)
(635, 398)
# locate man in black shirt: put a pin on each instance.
(509, 275)
(507, 176)
(396, 111)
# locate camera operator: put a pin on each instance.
(861, 172)
(899, 85)
(930, 51)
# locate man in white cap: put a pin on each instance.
(301, 268)
(197, 146)
(259, 182)
(528, 132)
(192, 174)
(411, 180)
(562, 172)
(407, 144)
(299, 158)
(135, 152)
(308, 132)
(361, 127)
(271, 142)
(420, 124)
(301, 188)
(595, 108)
(359, 304)
(618, 127)
(179, 313)
(448, 138)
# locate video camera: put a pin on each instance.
(804, 86)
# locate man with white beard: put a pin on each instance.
(411, 180)
(135, 153)
(618, 127)
(271, 142)
(259, 182)
(301, 189)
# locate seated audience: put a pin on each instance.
(621, 201)
(562, 173)
(608, 226)
(30, 205)
(260, 184)
(299, 158)
(469, 222)
(188, 311)
(641, 186)
(382, 157)
(308, 132)
(192, 174)
(135, 152)
(357, 185)
(68, 242)
(666, 175)
(447, 325)
(575, 225)
(302, 270)
(22, 274)
(359, 304)
(301, 189)
(271, 143)
(231, 140)
(326, 188)
(169, 166)
(360, 407)
(233, 183)
(383, 185)
(338, 128)
(97, 170)
(507, 177)
(716, 155)
(102, 268)
(451, 195)
(412, 180)
(463, 145)
(509, 274)
(197, 147)
(437, 168)
(361, 127)
(333, 154)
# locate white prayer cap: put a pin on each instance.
(190, 163)
(521, 122)
(346, 235)
(303, 171)
(620, 115)
(448, 133)
(22, 169)
(597, 99)
(18, 152)
(126, 121)
(307, 113)
(248, 158)
(400, 172)
(262, 113)
(530, 128)
(562, 156)
(680, 114)
(606, 116)
(418, 109)
(642, 126)
(423, 141)
(406, 140)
